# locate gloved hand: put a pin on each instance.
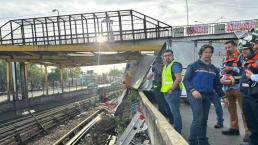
(227, 69)
(248, 73)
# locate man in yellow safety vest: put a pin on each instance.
(172, 86)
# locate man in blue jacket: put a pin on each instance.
(201, 79)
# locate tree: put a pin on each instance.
(35, 75)
(55, 74)
(75, 73)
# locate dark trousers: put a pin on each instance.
(250, 108)
(150, 95)
(215, 99)
(162, 104)
(200, 109)
(173, 100)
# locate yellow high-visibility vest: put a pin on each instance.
(167, 78)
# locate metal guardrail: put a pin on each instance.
(159, 129)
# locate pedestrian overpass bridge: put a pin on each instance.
(107, 38)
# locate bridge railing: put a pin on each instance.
(214, 28)
(83, 28)
(123, 25)
(140, 34)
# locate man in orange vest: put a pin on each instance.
(231, 74)
(249, 89)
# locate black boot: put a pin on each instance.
(231, 131)
(218, 125)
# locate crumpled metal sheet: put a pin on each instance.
(137, 70)
(142, 67)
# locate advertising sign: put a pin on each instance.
(241, 25)
(179, 32)
(197, 29)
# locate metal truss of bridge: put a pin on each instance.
(82, 39)
(78, 39)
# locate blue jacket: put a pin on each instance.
(204, 78)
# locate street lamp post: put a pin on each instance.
(187, 18)
(56, 10)
(58, 25)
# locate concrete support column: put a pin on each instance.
(26, 79)
(8, 83)
(14, 80)
(23, 78)
(46, 80)
(62, 79)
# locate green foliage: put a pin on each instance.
(126, 110)
(35, 75)
(55, 74)
(133, 97)
(75, 72)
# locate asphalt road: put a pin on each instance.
(215, 136)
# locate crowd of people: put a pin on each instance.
(236, 82)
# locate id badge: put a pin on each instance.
(245, 85)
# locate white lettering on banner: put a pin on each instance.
(241, 26)
(197, 29)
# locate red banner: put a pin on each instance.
(197, 29)
(241, 26)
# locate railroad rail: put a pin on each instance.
(20, 130)
(75, 135)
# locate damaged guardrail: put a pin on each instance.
(159, 129)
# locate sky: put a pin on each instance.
(172, 12)
(104, 68)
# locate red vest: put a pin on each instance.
(252, 63)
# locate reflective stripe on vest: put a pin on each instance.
(167, 78)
